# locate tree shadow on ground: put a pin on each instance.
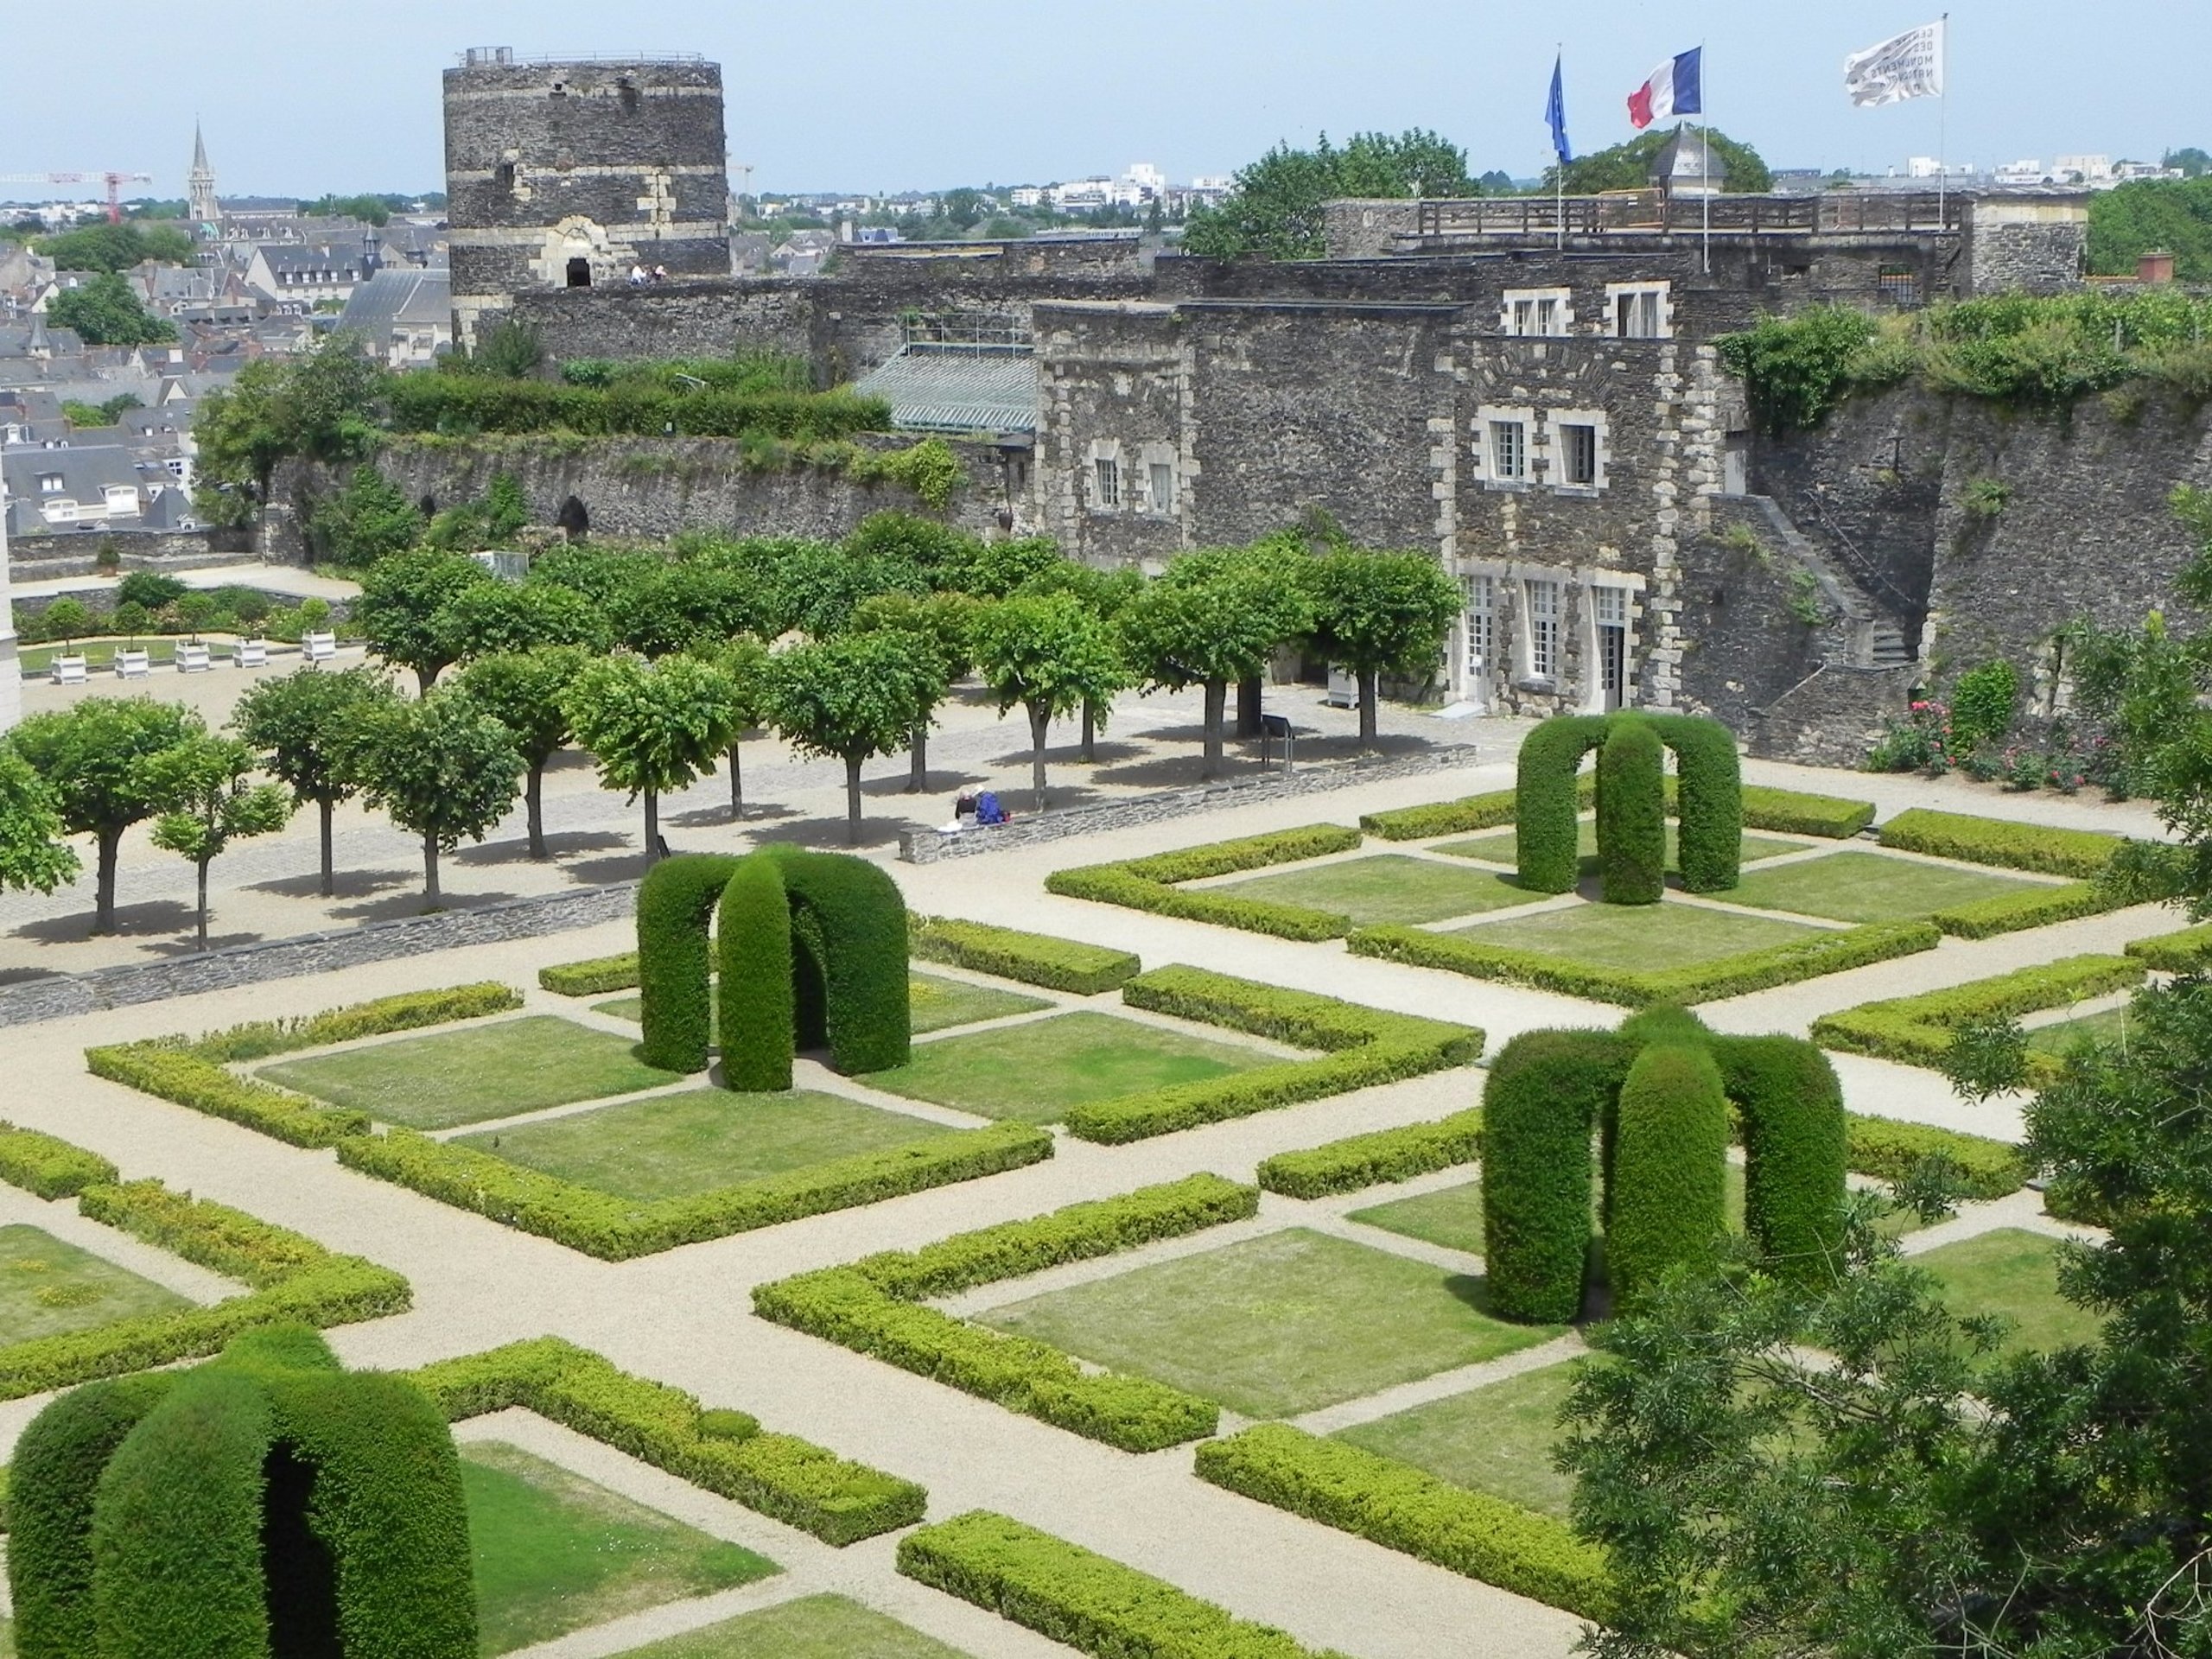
(718, 818)
(1180, 771)
(410, 903)
(349, 884)
(829, 833)
(24, 975)
(186, 942)
(150, 920)
(625, 866)
(560, 846)
(940, 783)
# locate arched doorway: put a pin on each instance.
(580, 273)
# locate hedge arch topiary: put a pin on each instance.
(1550, 1091)
(1546, 814)
(265, 1503)
(1632, 812)
(811, 951)
(1710, 798)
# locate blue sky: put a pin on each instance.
(893, 94)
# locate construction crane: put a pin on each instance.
(111, 180)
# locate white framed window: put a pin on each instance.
(1575, 457)
(1577, 453)
(1609, 648)
(1509, 450)
(1639, 310)
(1106, 481)
(49, 483)
(1540, 604)
(1481, 603)
(1162, 482)
(1538, 311)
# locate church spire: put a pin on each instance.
(199, 184)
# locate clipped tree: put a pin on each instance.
(660, 609)
(1106, 592)
(89, 756)
(303, 725)
(441, 768)
(1210, 629)
(403, 610)
(1052, 654)
(523, 689)
(652, 727)
(367, 520)
(1276, 209)
(31, 851)
(1380, 613)
(491, 618)
(852, 698)
(940, 625)
(207, 799)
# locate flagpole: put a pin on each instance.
(1943, 118)
(1559, 172)
(1705, 160)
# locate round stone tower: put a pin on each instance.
(563, 172)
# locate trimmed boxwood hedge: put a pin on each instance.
(1364, 1161)
(1631, 813)
(594, 976)
(1031, 958)
(1361, 1046)
(616, 1229)
(1547, 1091)
(1795, 1134)
(48, 1166)
(1401, 1508)
(754, 984)
(1460, 818)
(2186, 951)
(1791, 812)
(848, 940)
(2083, 853)
(674, 903)
(1781, 811)
(1547, 801)
(872, 1307)
(1918, 1030)
(1829, 951)
(1150, 884)
(1667, 1189)
(1070, 1594)
(2009, 912)
(1888, 1149)
(779, 1476)
(1710, 789)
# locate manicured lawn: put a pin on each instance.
(1453, 1216)
(1504, 847)
(473, 1075)
(933, 1003)
(1496, 1439)
(1276, 1325)
(813, 1627)
(1636, 937)
(2015, 1273)
(2110, 1026)
(1389, 887)
(673, 1144)
(1854, 887)
(7, 1639)
(553, 1552)
(48, 1287)
(1036, 1071)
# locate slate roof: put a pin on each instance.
(399, 298)
(940, 388)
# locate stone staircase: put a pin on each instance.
(1862, 634)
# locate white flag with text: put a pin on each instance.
(1910, 66)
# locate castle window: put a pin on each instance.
(1640, 310)
(1163, 487)
(1576, 450)
(1481, 593)
(1509, 450)
(503, 177)
(579, 273)
(1577, 454)
(1541, 602)
(1609, 637)
(1537, 311)
(1107, 492)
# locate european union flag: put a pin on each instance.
(1555, 112)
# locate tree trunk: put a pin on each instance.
(1090, 751)
(104, 892)
(1040, 722)
(1369, 695)
(852, 800)
(1248, 705)
(329, 875)
(652, 826)
(736, 787)
(533, 797)
(432, 898)
(425, 679)
(1217, 705)
(918, 773)
(203, 904)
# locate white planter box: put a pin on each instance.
(132, 665)
(68, 670)
(192, 659)
(319, 647)
(250, 653)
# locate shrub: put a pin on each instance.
(674, 902)
(1547, 801)
(1784, 812)
(1072, 1595)
(1030, 958)
(1363, 1161)
(755, 981)
(1918, 1030)
(870, 1307)
(616, 1229)
(1462, 817)
(2186, 951)
(1547, 1088)
(459, 403)
(1361, 1047)
(1711, 792)
(1981, 702)
(776, 1475)
(1986, 497)
(2083, 853)
(48, 1166)
(1631, 814)
(1666, 1198)
(1149, 884)
(66, 618)
(2009, 912)
(1890, 1150)
(1795, 1133)
(1401, 1508)
(591, 977)
(849, 938)
(150, 589)
(1753, 971)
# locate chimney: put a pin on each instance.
(2155, 266)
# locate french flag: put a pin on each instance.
(1676, 87)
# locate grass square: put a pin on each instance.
(1504, 847)
(934, 1003)
(49, 1288)
(1636, 937)
(1453, 1216)
(1276, 1325)
(475, 1074)
(813, 1627)
(1035, 1072)
(1855, 886)
(2015, 1272)
(553, 1552)
(1496, 1438)
(701, 1140)
(2112, 1026)
(1387, 887)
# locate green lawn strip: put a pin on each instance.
(1453, 1216)
(7, 1639)
(1496, 1438)
(1276, 1325)
(701, 1141)
(2015, 1273)
(1782, 811)
(1386, 887)
(813, 1627)
(469, 1076)
(49, 1288)
(1034, 1073)
(1151, 883)
(934, 1003)
(2109, 1026)
(1918, 1030)
(1857, 886)
(1635, 935)
(554, 1552)
(1504, 849)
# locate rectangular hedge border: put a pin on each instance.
(1887, 1148)
(1361, 1047)
(594, 976)
(49, 1168)
(2186, 951)
(779, 1476)
(292, 1278)
(1151, 884)
(1780, 811)
(1091, 1602)
(1918, 1030)
(2082, 853)
(2010, 913)
(1792, 812)
(193, 1072)
(1359, 1161)
(874, 1306)
(1405, 1508)
(616, 1229)
(1828, 952)
(1029, 958)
